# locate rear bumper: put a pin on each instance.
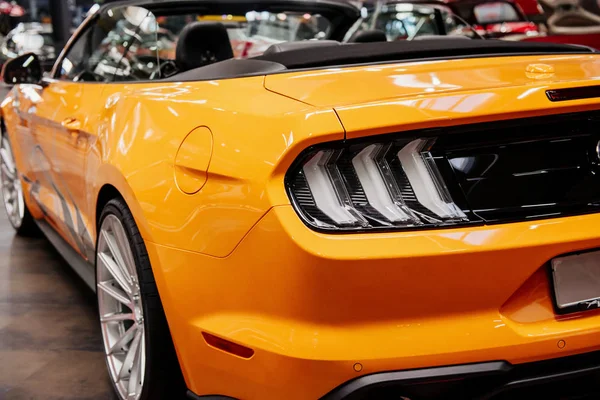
(575, 377)
(333, 308)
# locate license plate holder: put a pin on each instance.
(576, 282)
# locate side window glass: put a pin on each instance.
(120, 46)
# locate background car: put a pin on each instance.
(495, 18)
(533, 10)
(29, 37)
(576, 22)
(265, 29)
(408, 19)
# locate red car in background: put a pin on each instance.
(571, 22)
(533, 10)
(495, 18)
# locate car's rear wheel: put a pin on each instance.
(12, 192)
(139, 352)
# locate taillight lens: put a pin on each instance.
(393, 184)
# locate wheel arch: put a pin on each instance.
(107, 193)
(111, 184)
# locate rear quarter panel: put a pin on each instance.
(255, 134)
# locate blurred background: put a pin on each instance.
(44, 26)
(39, 26)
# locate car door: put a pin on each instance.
(35, 139)
(73, 102)
(66, 119)
(68, 107)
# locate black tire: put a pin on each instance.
(163, 378)
(27, 227)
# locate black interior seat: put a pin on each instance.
(369, 36)
(202, 43)
(303, 44)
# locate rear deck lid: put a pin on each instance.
(386, 98)
(354, 85)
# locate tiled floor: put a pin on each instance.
(50, 345)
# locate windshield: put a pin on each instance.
(134, 43)
(251, 34)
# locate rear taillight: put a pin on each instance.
(383, 184)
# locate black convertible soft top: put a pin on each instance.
(343, 55)
(446, 48)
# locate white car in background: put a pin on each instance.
(29, 37)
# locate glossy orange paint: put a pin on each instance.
(313, 305)
(233, 258)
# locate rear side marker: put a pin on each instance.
(227, 346)
(587, 92)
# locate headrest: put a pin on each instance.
(368, 36)
(287, 46)
(202, 43)
(440, 37)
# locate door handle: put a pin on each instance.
(71, 124)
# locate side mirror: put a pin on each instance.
(22, 69)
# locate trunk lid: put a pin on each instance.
(383, 98)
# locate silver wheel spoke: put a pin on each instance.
(115, 293)
(126, 368)
(116, 272)
(123, 340)
(6, 156)
(116, 252)
(19, 200)
(125, 252)
(143, 355)
(9, 174)
(12, 192)
(117, 317)
(121, 309)
(135, 385)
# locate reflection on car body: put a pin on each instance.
(326, 220)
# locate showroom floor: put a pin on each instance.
(50, 346)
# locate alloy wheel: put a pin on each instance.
(120, 308)
(12, 191)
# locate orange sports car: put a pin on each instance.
(381, 220)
